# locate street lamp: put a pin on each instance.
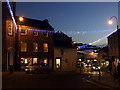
(21, 19)
(111, 21)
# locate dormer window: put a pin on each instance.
(23, 31)
(45, 34)
(35, 33)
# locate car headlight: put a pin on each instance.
(26, 69)
(98, 67)
(93, 67)
(89, 65)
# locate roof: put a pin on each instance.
(35, 23)
(62, 40)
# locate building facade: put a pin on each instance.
(114, 49)
(26, 42)
(65, 54)
(8, 35)
(103, 57)
(35, 42)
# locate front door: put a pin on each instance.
(9, 59)
(58, 63)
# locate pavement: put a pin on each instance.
(53, 80)
(105, 79)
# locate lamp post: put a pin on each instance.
(111, 22)
(20, 19)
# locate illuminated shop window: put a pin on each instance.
(58, 63)
(35, 33)
(10, 28)
(26, 61)
(45, 60)
(29, 61)
(35, 47)
(23, 31)
(45, 34)
(34, 61)
(45, 47)
(23, 47)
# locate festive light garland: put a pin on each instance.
(48, 31)
(11, 13)
(102, 38)
(12, 16)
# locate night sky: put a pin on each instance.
(85, 22)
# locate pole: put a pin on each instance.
(99, 74)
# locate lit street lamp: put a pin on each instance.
(111, 21)
(21, 19)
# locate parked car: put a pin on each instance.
(41, 68)
(95, 67)
(88, 65)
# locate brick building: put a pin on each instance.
(24, 43)
(114, 48)
(8, 35)
(35, 42)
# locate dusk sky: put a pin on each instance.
(85, 22)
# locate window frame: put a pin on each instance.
(44, 48)
(45, 34)
(22, 32)
(34, 47)
(24, 47)
(35, 33)
(10, 29)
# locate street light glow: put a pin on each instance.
(21, 18)
(110, 22)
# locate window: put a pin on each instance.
(58, 63)
(23, 31)
(35, 33)
(26, 62)
(10, 28)
(35, 47)
(45, 47)
(45, 60)
(23, 47)
(45, 34)
(34, 61)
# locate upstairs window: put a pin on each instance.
(10, 28)
(23, 31)
(45, 47)
(35, 47)
(45, 34)
(35, 33)
(23, 47)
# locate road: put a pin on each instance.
(52, 80)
